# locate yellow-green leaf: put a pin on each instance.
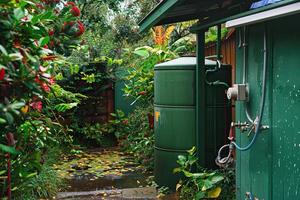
(214, 193)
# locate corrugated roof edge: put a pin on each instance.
(198, 27)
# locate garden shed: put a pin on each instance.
(267, 60)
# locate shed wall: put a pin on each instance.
(270, 170)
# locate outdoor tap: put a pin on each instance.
(243, 126)
(262, 127)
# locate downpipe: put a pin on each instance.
(218, 61)
(245, 80)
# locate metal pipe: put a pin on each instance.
(258, 120)
(245, 61)
(219, 41)
(257, 123)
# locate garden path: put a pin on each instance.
(104, 174)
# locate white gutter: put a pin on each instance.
(265, 16)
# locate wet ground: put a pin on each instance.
(105, 174)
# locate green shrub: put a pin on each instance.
(45, 184)
(105, 134)
(203, 184)
(140, 79)
(100, 135)
(139, 138)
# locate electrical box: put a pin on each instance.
(239, 92)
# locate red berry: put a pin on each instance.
(67, 26)
(37, 80)
(81, 28)
(37, 105)
(45, 87)
(142, 93)
(40, 6)
(51, 80)
(2, 73)
(75, 11)
(51, 32)
(17, 43)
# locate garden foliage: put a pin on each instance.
(200, 183)
(34, 37)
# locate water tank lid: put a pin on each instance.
(182, 63)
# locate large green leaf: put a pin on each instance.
(17, 105)
(65, 106)
(15, 56)
(207, 184)
(198, 175)
(141, 52)
(9, 118)
(3, 50)
(199, 195)
(8, 149)
(2, 121)
(216, 179)
(2, 172)
(19, 13)
(43, 41)
(187, 173)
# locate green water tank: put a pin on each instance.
(174, 107)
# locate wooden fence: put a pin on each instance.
(227, 50)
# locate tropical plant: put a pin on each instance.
(212, 36)
(140, 79)
(202, 184)
(161, 35)
(185, 46)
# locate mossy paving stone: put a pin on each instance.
(100, 169)
(147, 193)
